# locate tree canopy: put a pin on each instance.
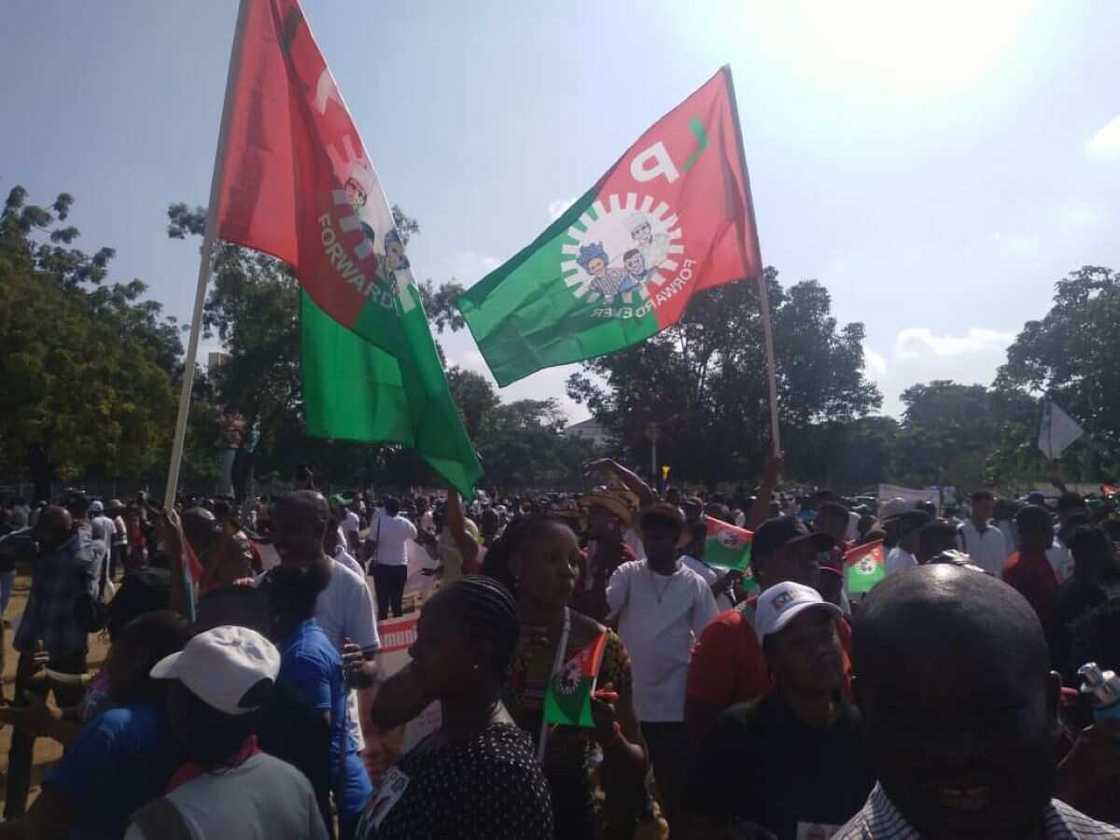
(88, 367)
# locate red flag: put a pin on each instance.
(296, 181)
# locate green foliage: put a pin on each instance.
(87, 372)
(703, 380)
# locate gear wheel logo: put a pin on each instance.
(614, 251)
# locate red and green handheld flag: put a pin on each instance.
(864, 566)
(672, 217)
(567, 700)
(295, 181)
(729, 547)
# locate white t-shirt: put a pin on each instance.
(103, 530)
(660, 617)
(710, 575)
(260, 799)
(898, 559)
(633, 539)
(391, 533)
(350, 524)
(988, 549)
(347, 559)
(345, 610)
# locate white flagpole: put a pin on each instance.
(204, 266)
(763, 296)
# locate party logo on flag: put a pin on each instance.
(621, 254)
(864, 567)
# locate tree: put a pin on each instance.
(948, 433)
(703, 383)
(88, 372)
(1070, 355)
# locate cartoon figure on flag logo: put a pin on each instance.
(616, 254)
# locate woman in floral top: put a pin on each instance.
(599, 776)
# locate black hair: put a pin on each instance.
(240, 606)
(983, 495)
(292, 593)
(78, 505)
(1070, 501)
(488, 611)
(1091, 547)
(142, 591)
(933, 535)
(152, 636)
(513, 540)
(392, 506)
(1034, 518)
(212, 737)
(1096, 637)
(832, 509)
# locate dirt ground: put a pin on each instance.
(46, 751)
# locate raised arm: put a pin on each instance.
(628, 477)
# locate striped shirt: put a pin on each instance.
(880, 820)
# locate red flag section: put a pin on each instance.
(296, 181)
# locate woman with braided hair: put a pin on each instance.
(598, 777)
(475, 777)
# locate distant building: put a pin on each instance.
(215, 359)
(590, 429)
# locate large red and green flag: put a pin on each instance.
(295, 181)
(864, 567)
(567, 700)
(671, 218)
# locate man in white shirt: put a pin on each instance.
(980, 539)
(390, 533)
(906, 527)
(661, 607)
(103, 530)
(349, 524)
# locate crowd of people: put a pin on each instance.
(243, 678)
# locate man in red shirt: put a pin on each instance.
(1029, 571)
(727, 663)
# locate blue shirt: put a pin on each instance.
(311, 666)
(122, 759)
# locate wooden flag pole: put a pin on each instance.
(763, 296)
(204, 267)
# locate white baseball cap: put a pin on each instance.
(783, 602)
(221, 665)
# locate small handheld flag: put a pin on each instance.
(567, 700)
(864, 566)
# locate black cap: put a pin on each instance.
(784, 530)
(909, 521)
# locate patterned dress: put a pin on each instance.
(573, 763)
(489, 788)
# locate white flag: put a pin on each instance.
(1058, 430)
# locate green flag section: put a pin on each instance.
(567, 700)
(671, 218)
(354, 390)
(729, 547)
(293, 179)
(864, 566)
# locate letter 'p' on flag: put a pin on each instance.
(296, 181)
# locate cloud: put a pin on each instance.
(1107, 140)
(874, 362)
(556, 208)
(916, 342)
(465, 266)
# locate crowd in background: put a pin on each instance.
(242, 681)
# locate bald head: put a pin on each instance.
(201, 528)
(298, 524)
(54, 527)
(305, 506)
(951, 673)
(937, 607)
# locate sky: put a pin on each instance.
(937, 167)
